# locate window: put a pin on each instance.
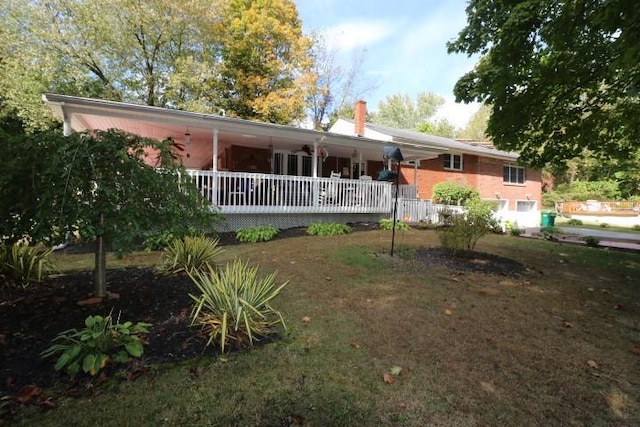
(453, 161)
(292, 164)
(307, 165)
(512, 174)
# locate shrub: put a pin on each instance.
(636, 227)
(234, 306)
(98, 344)
(604, 225)
(467, 228)
(387, 224)
(592, 241)
(574, 221)
(21, 264)
(190, 254)
(257, 234)
(515, 231)
(454, 193)
(328, 229)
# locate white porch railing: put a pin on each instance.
(414, 210)
(240, 192)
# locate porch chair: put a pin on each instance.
(329, 193)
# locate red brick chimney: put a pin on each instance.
(361, 117)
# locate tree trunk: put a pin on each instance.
(100, 272)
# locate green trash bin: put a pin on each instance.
(547, 219)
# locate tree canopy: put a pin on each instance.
(246, 57)
(401, 111)
(560, 76)
(102, 185)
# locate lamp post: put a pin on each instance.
(395, 154)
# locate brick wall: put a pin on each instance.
(482, 173)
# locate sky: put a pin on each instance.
(405, 42)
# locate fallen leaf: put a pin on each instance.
(402, 405)
(327, 278)
(395, 370)
(297, 420)
(355, 345)
(28, 392)
(448, 312)
(590, 289)
(455, 279)
(592, 364)
(619, 307)
(306, 319)
(388, 379)
(567, 324)
(636, 350)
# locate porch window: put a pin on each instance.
(452, 161)
(307, 166)
(278, 166)
(513, 174)
(292, 164)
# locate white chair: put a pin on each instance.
(335, 175)
(365, 178)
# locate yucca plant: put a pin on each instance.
(234, 305)
(22, 264)
(190, 254)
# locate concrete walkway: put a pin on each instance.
(608, 238)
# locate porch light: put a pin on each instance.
(187, 138)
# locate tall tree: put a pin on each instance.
(147, 52)
(560, 76)
(264, 57)
(476, 128)
(401, 111)
(338, 86)
(101, 185)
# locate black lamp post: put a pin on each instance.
(395, 154)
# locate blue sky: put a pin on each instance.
(405, 42)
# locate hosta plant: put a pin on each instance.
(234, 305)
(387, 224)
(22, 264)
(262, 233)
(328, 229)
(190, 254)
(98, 344)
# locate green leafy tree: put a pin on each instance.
(442, 127)
(102, 185)
(265, 61)
(401, 111)
(560, 76)
(476, 128)
(152, 52)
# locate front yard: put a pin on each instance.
(536, 333)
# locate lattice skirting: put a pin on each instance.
(233, 222)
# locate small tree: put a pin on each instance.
(454, 193)
(103, 185)
(467, 228)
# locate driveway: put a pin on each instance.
(608, 238)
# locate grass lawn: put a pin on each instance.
(558, 345)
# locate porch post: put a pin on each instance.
(215, 150)
(66, 120)
(214, 168)
(314, 161)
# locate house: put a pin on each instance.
(496, 174)
(259, 173)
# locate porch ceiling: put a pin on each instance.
(161, 123)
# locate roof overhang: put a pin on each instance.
(162, 123)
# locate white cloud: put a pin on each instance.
(458, 114)
(353, 34)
